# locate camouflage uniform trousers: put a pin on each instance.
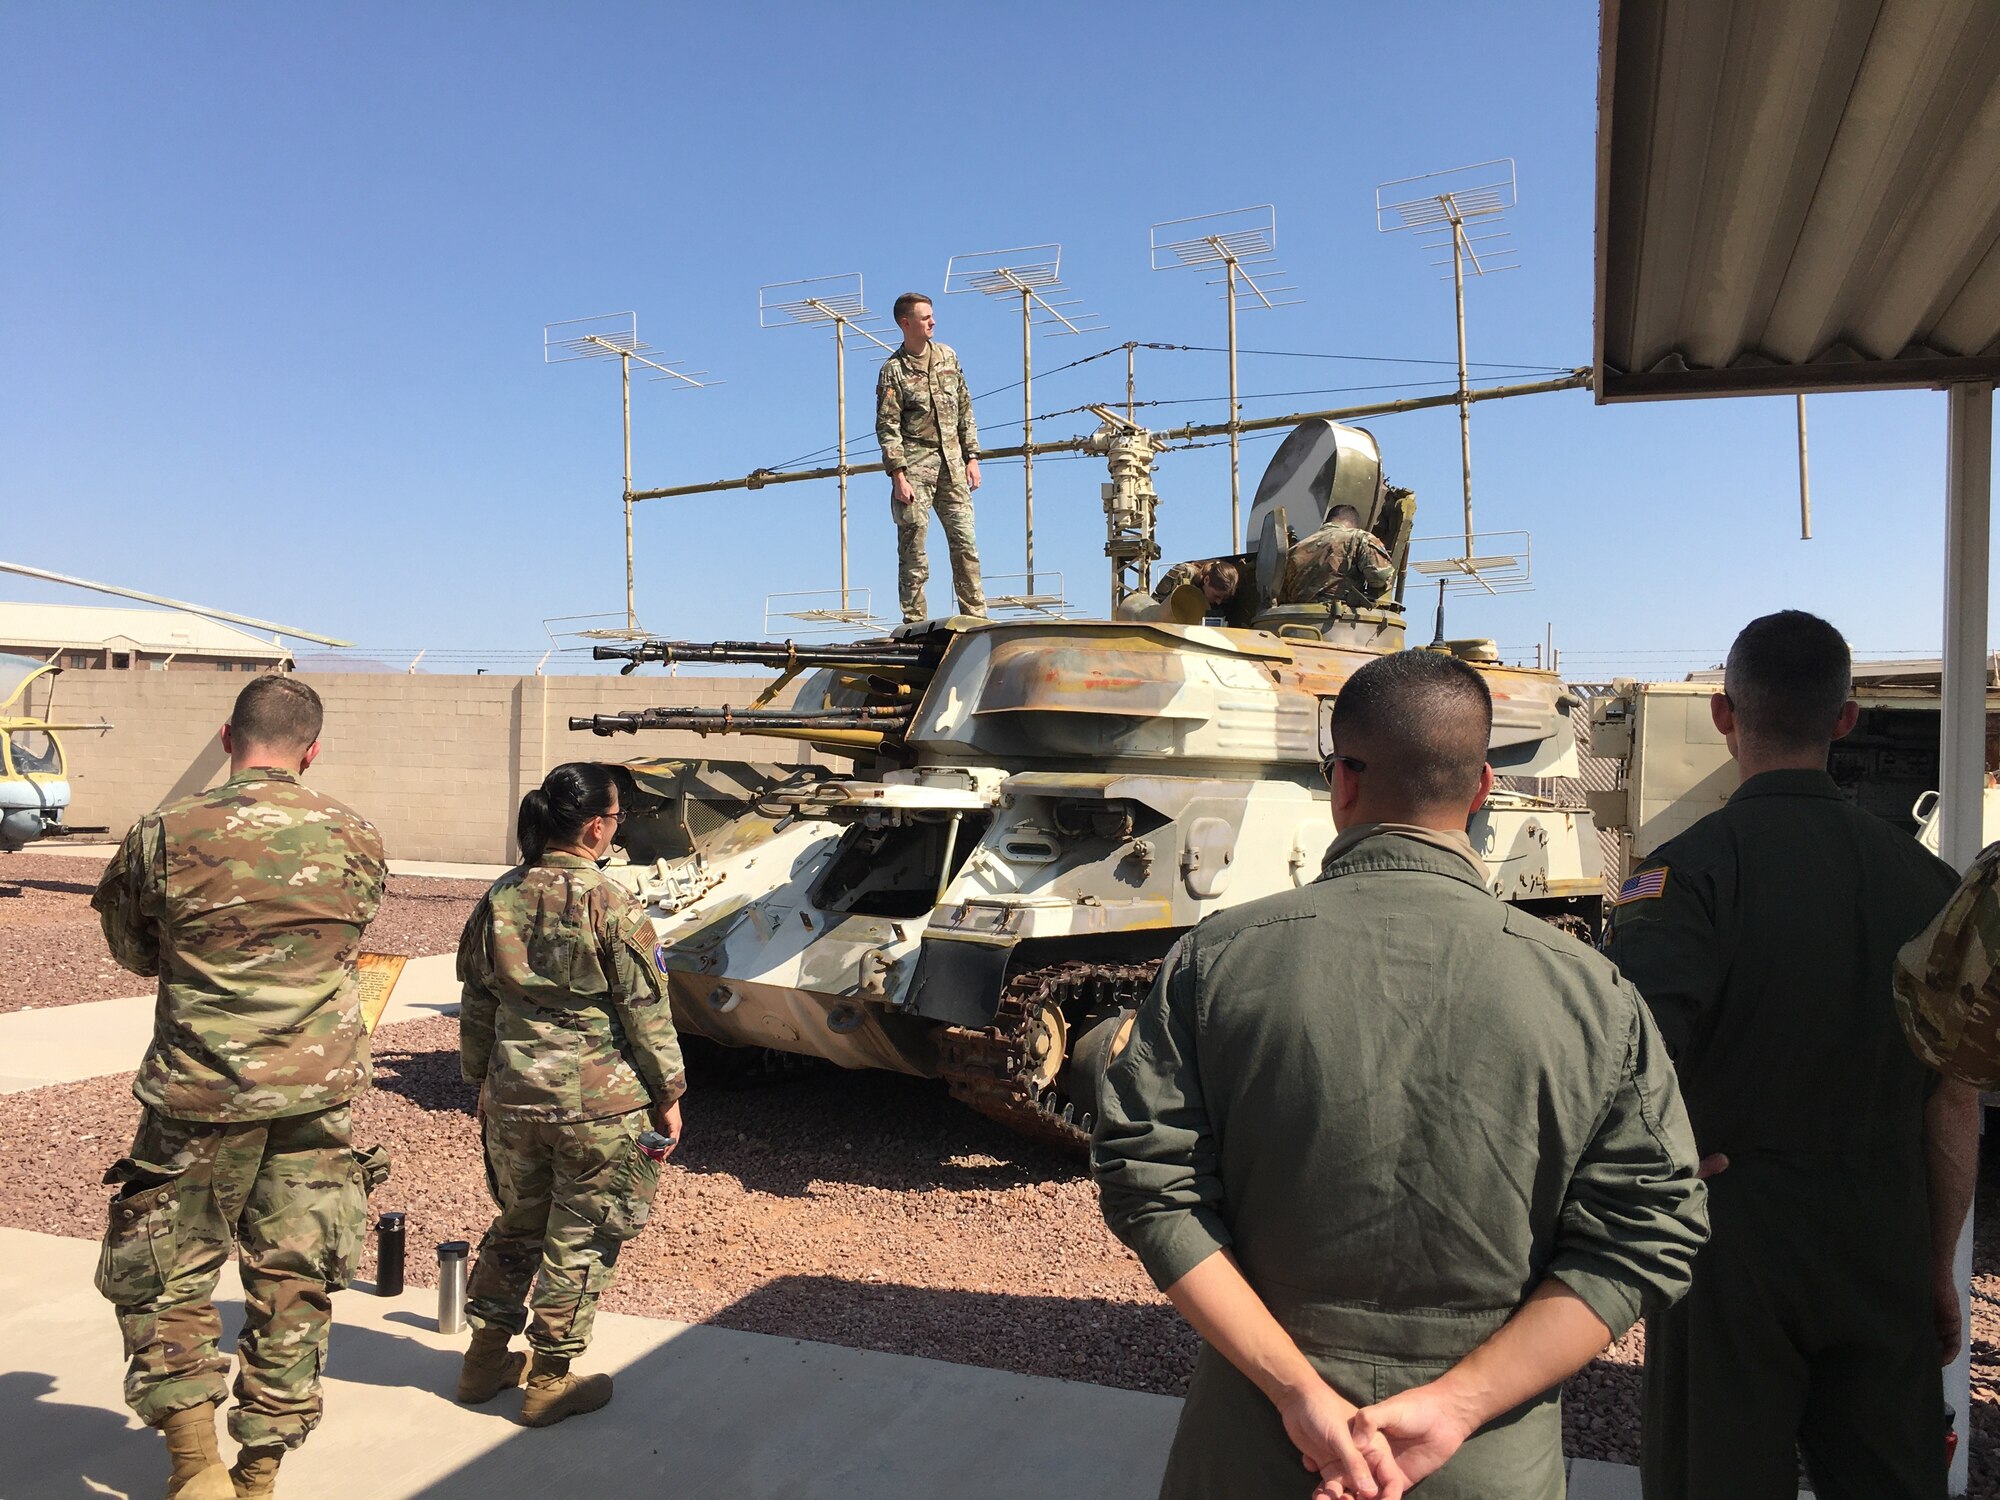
(934, 487)
(569, 1197)
(292, 1195)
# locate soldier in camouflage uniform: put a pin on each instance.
(1339, 564)
(930, 446)
(248, 903)
(565, 1028)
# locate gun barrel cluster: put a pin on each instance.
(726, 720)
(783, 655)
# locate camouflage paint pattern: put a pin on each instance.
(1947, 990)
(248, 903)
(291, 1195)
(570, 1195)
(913, 568)
(564, 1015)
(1337, 564)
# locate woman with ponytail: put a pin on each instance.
(565, 1029)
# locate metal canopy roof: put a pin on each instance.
(1797, 195)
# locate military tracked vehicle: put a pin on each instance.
(1037, 810)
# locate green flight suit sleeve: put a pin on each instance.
(968, 430)
(639, 1000)
(889, 420)
(1154, 1152)
(478, 1006)
(1635, 1213)
(1670, 945)
(130, 899)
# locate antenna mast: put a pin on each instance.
(1031, 273)
(1445, 206)
(1244, 242)
(615, 336)
(822, 300)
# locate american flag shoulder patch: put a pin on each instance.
(1647, 885)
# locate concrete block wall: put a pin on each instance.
(438, 763)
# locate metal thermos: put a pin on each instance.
(451, 1285)
(389, 1255)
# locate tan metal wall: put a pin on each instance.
(439, 764)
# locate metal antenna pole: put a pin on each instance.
(1033, 273)
(1464, 385)
(615, 336)
(625, 383)
(1805, 488)
(840, 385)
(1131, 381)
(820, 300)
(1446, 204)
(1235, 417)
(1028, 432)
(1241, 241)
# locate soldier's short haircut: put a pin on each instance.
(909, 302)
(1421, 720)
(1346, 513)
(1788, 677)
(279, 713)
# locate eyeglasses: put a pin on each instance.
(1352, 762)
(616, 815)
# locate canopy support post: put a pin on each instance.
(1962, 748)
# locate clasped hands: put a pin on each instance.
(1376, 1452)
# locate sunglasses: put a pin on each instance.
(1352, 762)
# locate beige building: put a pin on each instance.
(85, 637)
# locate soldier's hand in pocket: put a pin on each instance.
(667, 1120)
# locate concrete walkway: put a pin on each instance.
(63, 1043)
(699, 1412)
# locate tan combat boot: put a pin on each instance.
(198, 1471)
(554, 1393)
(255, 1471)
(490, 1367)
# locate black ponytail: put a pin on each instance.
(555, 812)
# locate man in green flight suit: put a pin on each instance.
(930, 446)
(1389, 1143)
(248, 902)
(1839, 1169)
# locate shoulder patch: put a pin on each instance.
(1647, 885)
(660, 957)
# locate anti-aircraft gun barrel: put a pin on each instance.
(785, 656)
(726, 720)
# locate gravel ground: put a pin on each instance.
(51, 952)
(861, 1209)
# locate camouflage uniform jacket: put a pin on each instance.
(248, 902)
(1180, 575)
(923, 414)
(565, 1014)
(1338, 564)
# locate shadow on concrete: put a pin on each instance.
(371, 1356)
(68, 1450)
(709, 1414)
(1140, 1346)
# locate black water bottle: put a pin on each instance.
(389, 1255)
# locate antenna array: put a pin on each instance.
(1244, 242)
(616, 336)
(820, 301)
(1443, 208)
(1033, 275)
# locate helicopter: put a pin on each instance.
(34, 777)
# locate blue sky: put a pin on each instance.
(274, 280)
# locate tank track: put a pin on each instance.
(992, 1068)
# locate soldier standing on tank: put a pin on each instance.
(930, 446)
(1839, 1168)
(248, 902)
(565, 1028)
(1388, 1137)
(1338, 564)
